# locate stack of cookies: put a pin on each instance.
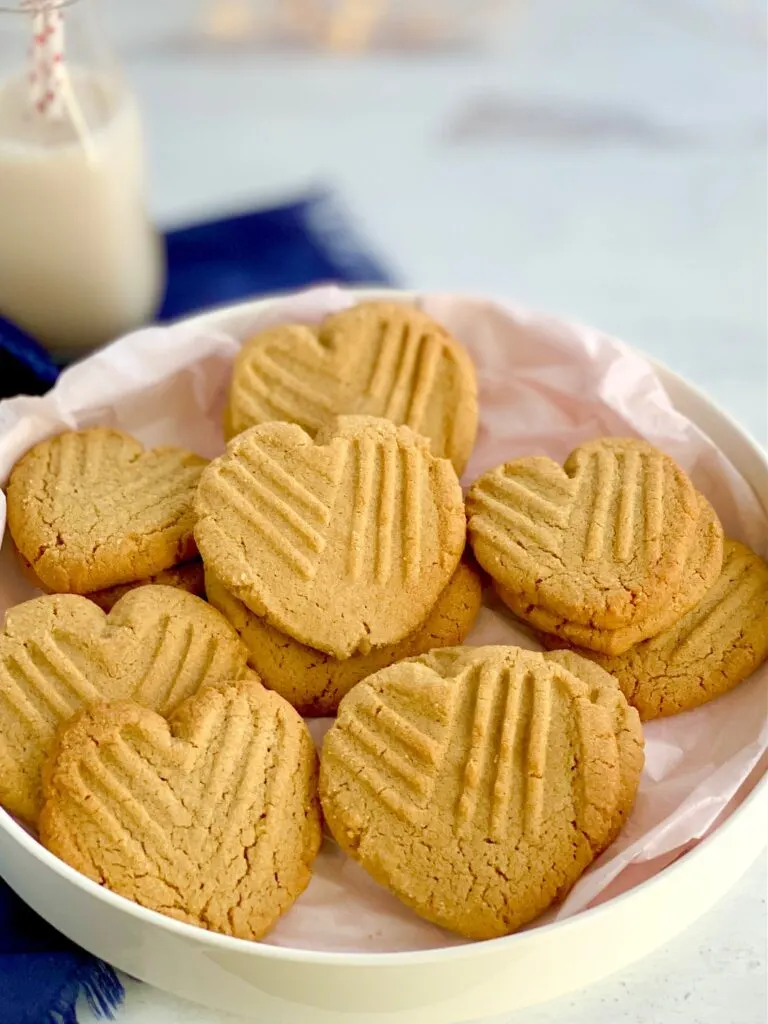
(151, 759)
(159, 748)
(138, 742)
(616, 556)
(61, 653)
(332, 528)
(334, 556)
(91, 512)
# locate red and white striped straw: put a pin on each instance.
(47, 76)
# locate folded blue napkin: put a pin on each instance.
(42, 974)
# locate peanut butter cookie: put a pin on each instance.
(602, 541)
(476, 784)
(344, 542)
(704, 555)
(210, 817)
(92, 509)
(375, 359)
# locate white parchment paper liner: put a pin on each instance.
(544, 386)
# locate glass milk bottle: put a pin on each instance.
(80, 262)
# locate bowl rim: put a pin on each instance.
(754, 803)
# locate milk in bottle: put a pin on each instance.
(79, 260)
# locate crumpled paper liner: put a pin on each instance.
(544, 386)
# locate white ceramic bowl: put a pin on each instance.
(433, 987)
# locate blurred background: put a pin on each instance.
(602, 159)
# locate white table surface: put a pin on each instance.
(606, 162)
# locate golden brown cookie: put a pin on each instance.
(157, 646)
(189, 577)
(211, 817)
(92, 509)
(315, 682)
(602, 541)
(476, 784)
(704, 555)
(344, 542)
(707, 652)
(604, 690)
(375, 359)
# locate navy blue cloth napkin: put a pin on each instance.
(306, 242)
(42, 974)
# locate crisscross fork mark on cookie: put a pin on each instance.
(386, 475)
(377, 359)
(600, 542)
(268, 387)
(210, 818)
(704, 563)
(382, 533)
(397, 759)
(92, 509)
(59, 653)
(289, 512)
(498, 718)
(475, 783)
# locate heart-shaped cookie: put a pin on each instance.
(705, 556)
(92, 509)
(344, 542)
(375, 359)
(157, 646)
(601, 541)
(477, 784)
(211, 817)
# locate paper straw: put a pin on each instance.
(37, 74)
(46, 58)
(50, 88)
(56, 69)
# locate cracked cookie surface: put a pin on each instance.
(707, 652)
(93, 509)
(374, 359)
(157, 646)
(605, 691)
(343, 542)
(601, 541)
(314, 682)
(705, 560)
(210, 817)
(476, 784)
